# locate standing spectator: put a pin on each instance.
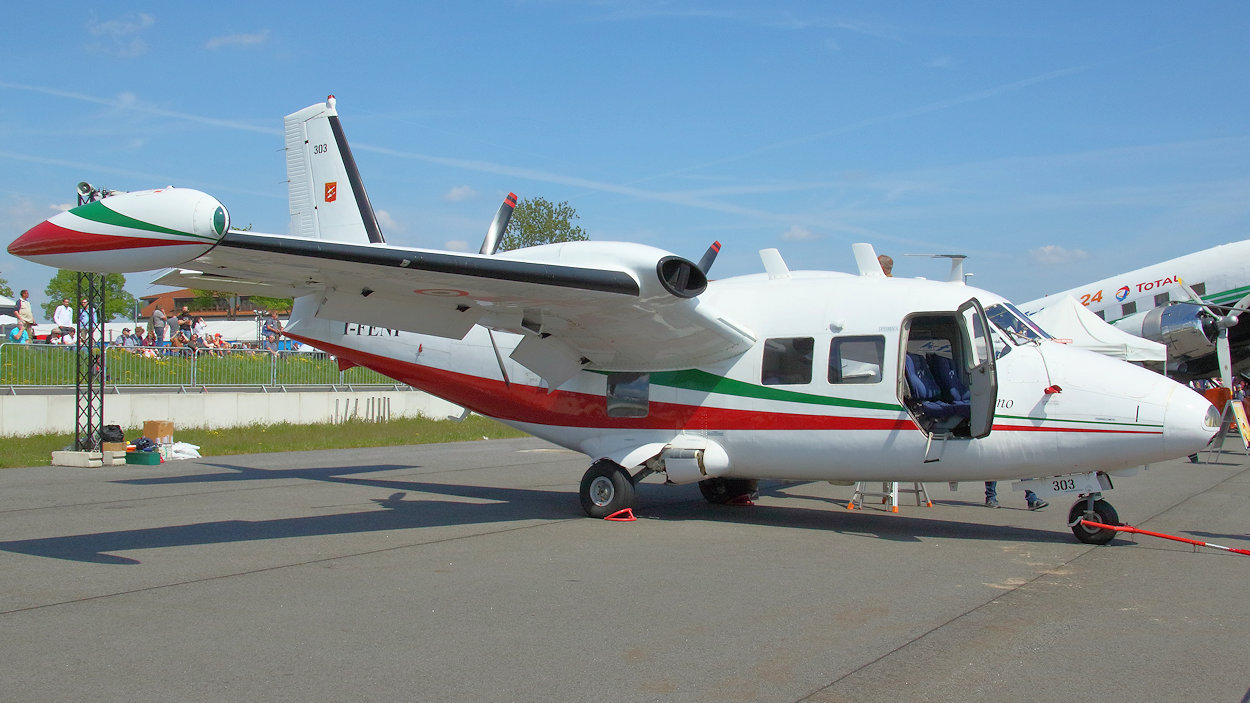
(184, 321)
(273, 325)
(159, 323)
(86, 316)
(63, 318)
(25, 318)
(271, 343)
(199, 327)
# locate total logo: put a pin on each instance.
(1121, 294)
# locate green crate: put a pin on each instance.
(143, 458)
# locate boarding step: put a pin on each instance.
(889, 494)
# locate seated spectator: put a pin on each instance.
(179, 340)
(150, 339)
(70, 337)
(271, 343)
(128, 340)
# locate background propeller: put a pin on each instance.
(1223, 322)
(498, 226)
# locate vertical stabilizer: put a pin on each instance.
(327, 197)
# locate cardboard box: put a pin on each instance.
(159, 431)
(143, 458)
(113, 446)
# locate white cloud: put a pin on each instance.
(120, 34)
(799, 234)
(1055, 254)
(942, 62)
(456, 245)
(238, 39)
(386, 222)
(459, 193)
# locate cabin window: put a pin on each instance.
(1162, 299)
(856, 359)
(1128, 308)
(1102, 314)
(787, 361)
(1199, 288)
(629, 394)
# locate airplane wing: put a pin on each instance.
(601, 305)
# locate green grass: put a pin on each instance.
(41, 365)
(36, 450)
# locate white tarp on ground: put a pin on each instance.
(1065, 318)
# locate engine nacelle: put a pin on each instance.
(1187, 330)
(137, 231)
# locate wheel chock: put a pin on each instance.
(622, 515)
(743, 500)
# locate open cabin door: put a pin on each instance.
(979, 362)
(947, 380)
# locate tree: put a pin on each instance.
(117, 301)
(539, 221)
(5, 290)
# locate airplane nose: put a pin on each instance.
(1189, 422)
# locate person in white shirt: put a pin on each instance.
(63, 318)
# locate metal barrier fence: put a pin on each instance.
(54, 365)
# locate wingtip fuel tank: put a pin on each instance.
(125, 232)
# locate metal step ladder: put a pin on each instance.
(889, 494)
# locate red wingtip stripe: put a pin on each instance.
(48, 238)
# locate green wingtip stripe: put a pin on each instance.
(98, 212)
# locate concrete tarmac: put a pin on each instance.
(468, 572)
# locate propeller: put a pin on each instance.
(708, 257)
(494, 235)
(1223, 322)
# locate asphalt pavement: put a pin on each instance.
(468, 572)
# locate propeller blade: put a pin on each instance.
(1225, 357)
(498, 226)
(708, 257)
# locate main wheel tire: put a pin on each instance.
(606, 488)
(1103, 512)
(719, 491)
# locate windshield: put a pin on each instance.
(1014, 324)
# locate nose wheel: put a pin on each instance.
(1094, 509)
(606, 488)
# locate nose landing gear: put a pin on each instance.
(1093, 508)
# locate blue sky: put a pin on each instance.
(1054, 143)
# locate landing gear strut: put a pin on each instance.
(1093, 508)
(606, 488)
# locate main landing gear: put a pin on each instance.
(1093, 508)
(608, 488)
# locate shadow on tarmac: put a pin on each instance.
(492, 505)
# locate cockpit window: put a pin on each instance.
(1014, 324)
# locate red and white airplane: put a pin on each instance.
(632, 356)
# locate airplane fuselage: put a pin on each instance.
(1106, 416)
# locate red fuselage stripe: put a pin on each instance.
(522, 403)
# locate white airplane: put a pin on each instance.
(1191, 304)
(630, 355)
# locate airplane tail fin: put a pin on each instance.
(327, 197)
